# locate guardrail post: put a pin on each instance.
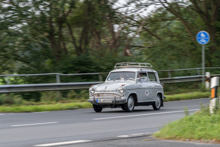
(100, 77)
(198, 72)
(169, 74)
(207, 80)
(7, 80)
(214, 90)
(58, 81)
(58, 78)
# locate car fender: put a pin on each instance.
(129, 92)
(160, 92)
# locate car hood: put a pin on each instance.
(112, 86)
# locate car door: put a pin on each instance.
(153, 85)
(143, 91)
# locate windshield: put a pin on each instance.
(121, 76)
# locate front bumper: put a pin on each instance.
(106, 101)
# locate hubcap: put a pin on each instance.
(158, 102)
(130, 103)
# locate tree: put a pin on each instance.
(39, 35)
(171, 29)
(206, 18)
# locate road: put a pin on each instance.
(84, 125)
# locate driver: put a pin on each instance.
(143, 76)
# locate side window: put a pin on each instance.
(152, 76)
(143, 77)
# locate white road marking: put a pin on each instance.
(2, 114)
(142, 114)
(134, 135)
(46, 123)
(63, 143)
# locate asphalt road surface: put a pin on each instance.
(84, 127)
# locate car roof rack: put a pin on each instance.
(132, 65)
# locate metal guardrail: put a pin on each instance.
(47, 74)
(198, 70)
(45, 87)
(183, 79)
(13, 88)
(85, 85)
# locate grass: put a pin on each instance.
(200, 127)
(179, 90)
(46, 107)
(187, 96)
(16, 104)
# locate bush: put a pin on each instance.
(10, 99)
(50, 96)
(78, 96)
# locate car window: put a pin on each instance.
(152, 76)
(143, 77)
(121, 76)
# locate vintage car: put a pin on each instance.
(128, 85)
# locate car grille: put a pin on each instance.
(106, 95)
(106, 90)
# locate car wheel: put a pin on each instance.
(129, 106)
(97, 108)
(122, 107)
(157, 103)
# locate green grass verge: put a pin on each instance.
(197, 127)
(49, 107)
(187, 96)
(37, 107)
(177, 91)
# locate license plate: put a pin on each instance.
(103, 100)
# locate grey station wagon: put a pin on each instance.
(128, 85)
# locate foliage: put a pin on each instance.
(169, 33)
(75, 36)
(47, 97)
(203, 88)
(186, 111)
(50, 96)
(10, 99)
(82, 95)
(199, 126)
(54, 36)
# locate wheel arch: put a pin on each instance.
(161, 97)
(134, 95)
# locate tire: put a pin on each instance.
(122, 107)
(157, 103)
(129, 106)
(97, 108)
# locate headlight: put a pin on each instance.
(92, 91)
(120, 90)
